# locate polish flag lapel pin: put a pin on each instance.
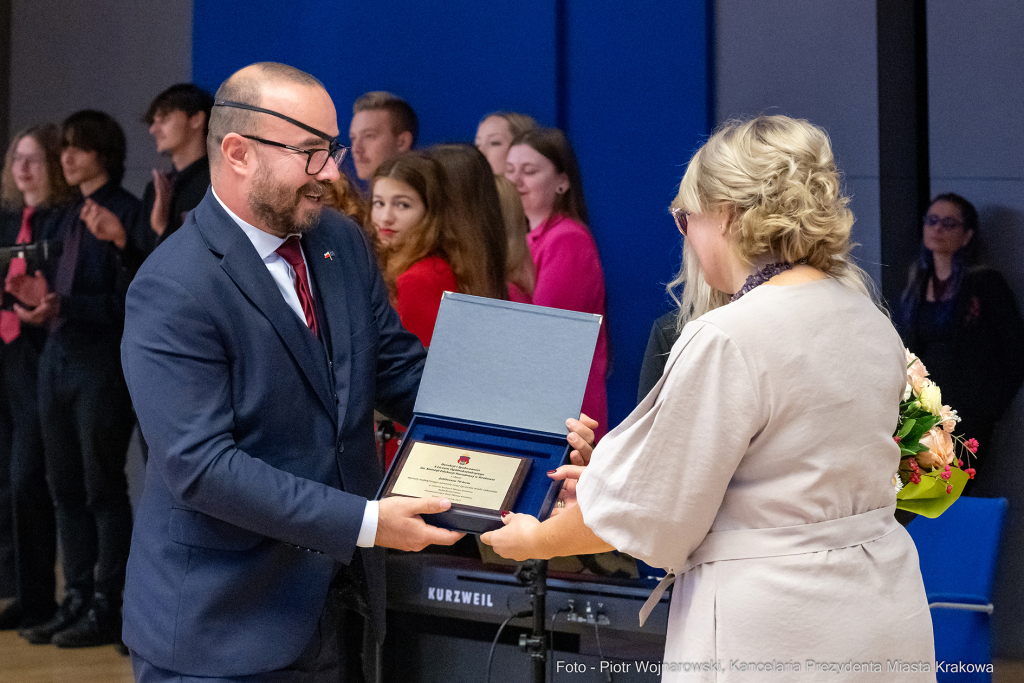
(329, 255)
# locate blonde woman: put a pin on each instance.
(495, 133)
(758, 470)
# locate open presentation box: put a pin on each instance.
(489, 421)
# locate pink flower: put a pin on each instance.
(916, 373)
(915, 478)
(970, 472)
(897, 439)
(959, 462)
(972, 445)
(940, 449)
(949, 489)
(946, 475)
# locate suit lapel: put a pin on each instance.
(245, 268)
(329, 276)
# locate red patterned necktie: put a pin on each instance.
(291, 252)
(10, 324)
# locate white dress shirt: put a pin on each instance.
(284, 277)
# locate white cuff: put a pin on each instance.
(368, 529)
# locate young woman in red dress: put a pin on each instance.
(422, 241)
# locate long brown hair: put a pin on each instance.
(342, 196)
(434, 235)
(519, 268)
(48, 137)
(480, 253)
(553, 144)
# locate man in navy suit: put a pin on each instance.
(258, 342)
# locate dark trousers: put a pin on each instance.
(35, 534)
(331, 656)
(87, 421)
(8, 563)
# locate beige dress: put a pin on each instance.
(764, 456)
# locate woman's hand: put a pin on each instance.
(581, 438)
(567, 496)
(518, 540)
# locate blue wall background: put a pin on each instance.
(631, 88)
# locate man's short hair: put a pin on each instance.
(247, 89)
(403, 117)
(95, 131)
(186, 97)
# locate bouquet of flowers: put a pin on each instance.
(931, 474)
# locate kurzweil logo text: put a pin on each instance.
(460, 597)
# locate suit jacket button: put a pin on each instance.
(341, 447)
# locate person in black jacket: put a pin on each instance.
(32, 186)
(962, 320)
(178, 119)
(84, 404)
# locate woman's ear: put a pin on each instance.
(724, 216)
(562, 184)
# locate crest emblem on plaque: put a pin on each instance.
(464, 460)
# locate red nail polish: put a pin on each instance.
(505, 513)
(552, 471)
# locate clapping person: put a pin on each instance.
(84, 405)
(758, 470)
(961, 319)
(178, 119)
(31, 190)
(543, 167)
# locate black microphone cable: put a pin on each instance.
(490, 656)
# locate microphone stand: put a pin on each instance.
(534, 573)
(384, 433)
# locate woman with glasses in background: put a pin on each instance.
(32, 186)
(961, 319)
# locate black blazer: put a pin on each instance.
(188, 190)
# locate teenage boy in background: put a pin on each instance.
(84, 405)
(178, 120)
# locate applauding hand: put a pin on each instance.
(160, 215)
(48, 309)
(103, 224)
(28, 289)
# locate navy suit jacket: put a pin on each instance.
(261, 442)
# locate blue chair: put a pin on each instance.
(959, 551)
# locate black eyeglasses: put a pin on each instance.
(316, 159)
(946, 223)
(680, 216)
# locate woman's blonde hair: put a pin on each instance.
(47, 136)
(777, 180)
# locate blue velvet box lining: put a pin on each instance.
(538, 492)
